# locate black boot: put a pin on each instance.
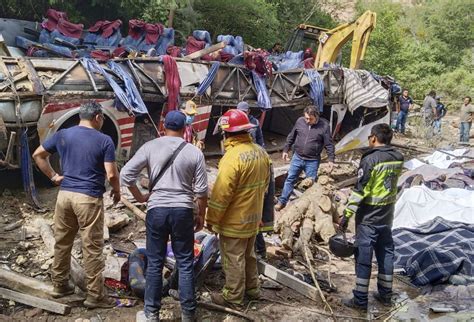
(352, 304)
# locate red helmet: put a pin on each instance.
(235, 121)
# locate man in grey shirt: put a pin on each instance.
(170, 210)
(429, 109)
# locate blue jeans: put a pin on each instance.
(370, 239)
(437, 126)
(162, 222)
(297, 165)
(401, 120)
(465, 129)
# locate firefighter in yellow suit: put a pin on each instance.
(235, 208)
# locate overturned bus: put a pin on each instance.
(41, 95)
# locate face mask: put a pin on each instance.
(189, 119)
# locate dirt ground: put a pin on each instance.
(22, 250)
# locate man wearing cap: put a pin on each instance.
(235, 208)
(268, 203)
(307, 138)
(177, 173)
(256, 132)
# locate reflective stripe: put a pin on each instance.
(363, 289)
(215, 205)
(392, 165)
(355, 197)
(252, 186)
(362, 281)
(385, 277)
(229, 232)
(352, 208)
(384, 284)
(380, 201)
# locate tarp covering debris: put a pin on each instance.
(418, 205)
(435, 251)
(361, 89)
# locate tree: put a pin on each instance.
(255, 20)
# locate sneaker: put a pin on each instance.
(63, 290)
(384, 300)
(218, 299)
(141, 317)
(279, 206)
(105, 303)
(353, 305)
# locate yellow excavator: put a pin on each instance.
(329, 42)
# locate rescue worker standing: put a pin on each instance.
(235, 208)
(372, 201)
(268, 213)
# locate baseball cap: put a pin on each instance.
(243, 106)
(175, 120)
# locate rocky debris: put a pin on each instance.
(116, 220)
(20, 260)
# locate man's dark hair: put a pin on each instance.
(432, 93)
(469, 98)
(382, 132)
(311, 110)
(89, 110)
(405, 89)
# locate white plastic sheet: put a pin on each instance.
(419, 204)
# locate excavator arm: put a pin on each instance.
(331, 42)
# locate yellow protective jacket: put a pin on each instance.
(235, 207)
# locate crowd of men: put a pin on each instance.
(433, 110)
(239, 208)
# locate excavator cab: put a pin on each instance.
(328, 43)
(303, 37)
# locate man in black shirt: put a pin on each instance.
(307, 138)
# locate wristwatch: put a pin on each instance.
(54, 177)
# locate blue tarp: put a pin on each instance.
(133, 95)
(263, 98)
(206, 82)
(316, 88)
(94, 67)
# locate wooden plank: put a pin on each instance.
(34, 301)
(346, 183)
(140, 214)
(24, 284)
(205, 51)
(288, 280)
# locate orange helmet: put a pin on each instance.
(235, 121)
